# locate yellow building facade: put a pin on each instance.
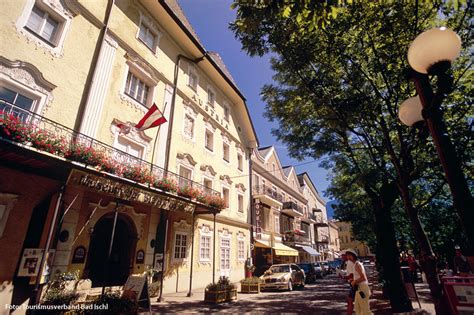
(347, 240)
(86, 68)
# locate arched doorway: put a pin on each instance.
(115, 271)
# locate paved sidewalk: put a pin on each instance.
(325, 297)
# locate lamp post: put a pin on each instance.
(431, 53)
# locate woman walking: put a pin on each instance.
(360, 284)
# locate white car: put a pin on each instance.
(283, 276)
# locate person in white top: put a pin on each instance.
(360, 282)
(347, 273)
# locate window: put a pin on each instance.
(147, 36)
(225, 152)
(208, 185)
(209, 140)
(130, 147)
(225, 195)
(241, 250)
(189, 126)
(192, 78)
(205, 248)
(240, 162)
(277, 224)
(226, 112)
(211, 97)
(185, 176)
(136, 88)
(43, 25)
(241, 203)
(16, 98)
(180, 245)
(225, 254)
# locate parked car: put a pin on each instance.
(309, 271)
(325, 267)
(283, 276)
(319, 270)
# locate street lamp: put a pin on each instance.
(431, 53)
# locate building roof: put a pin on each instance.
(220, 62)
(179, 13)
(287, 170)
(265, 150)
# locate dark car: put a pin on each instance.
(319, 270)
(309, 271)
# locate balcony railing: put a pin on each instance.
(292, 206)
(30, 129)
(312, 217)
(267, 191)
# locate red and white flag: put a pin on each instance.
(153, 118)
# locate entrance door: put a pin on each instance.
(115, 271)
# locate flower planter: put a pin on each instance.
(220, 296)
(250, 287)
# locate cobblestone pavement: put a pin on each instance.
(327, 296)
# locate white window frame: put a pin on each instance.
(277, 224)
(205, 231)
(211, 91)
(240, 249)
(38, 99)
(59, 13)
(131, 141)
(240, 162)
(223, 260)
(223, 196)
(239, 195)
(226, 145)
(226, 114)
(207, 130)
(146, 78)
(181, 233)
(192, 71)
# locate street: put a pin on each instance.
(327, 296)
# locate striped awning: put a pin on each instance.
(283, 250)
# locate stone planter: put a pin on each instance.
(250, 287)
(220, 296)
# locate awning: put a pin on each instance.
(310, 251)
(283, 250)
(262, 244)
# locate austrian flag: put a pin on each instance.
(153, 118)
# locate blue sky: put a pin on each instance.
(210, 19)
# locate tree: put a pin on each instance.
(345, 82)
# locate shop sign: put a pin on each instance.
(123, 191)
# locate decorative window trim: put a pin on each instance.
(142, 72)
(225, 180)
(186, 159)
(205, 231)
(208, 171)
(25, 77)
(7, 202)
(60, 13)
(181, 227)
(224, 107)
(193, 114)
(149, 23)
(135, 136)
(240, 187)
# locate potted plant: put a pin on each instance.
(165, 184)
(215, 201)
(188, 192)
(137, 173)
(57, 292)
(84, 153)
(222, 291)
(46, 141)
(13, 128)
(250, 285)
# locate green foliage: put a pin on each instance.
(344, 82)
(57, 294)
(116, 304)
(223, 284)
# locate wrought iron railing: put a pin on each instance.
(23, 126)
(268, 191)
(293, 206)
(312, 216)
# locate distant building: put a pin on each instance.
(347, 239)
(334, 246)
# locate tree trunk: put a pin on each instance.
(387, 250)
(427, 258)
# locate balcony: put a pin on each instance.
(267, 195)
(323, 240)
(292, 208)
(59, 149)
(309, 218)
(296, 237)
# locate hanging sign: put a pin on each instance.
(30, 262)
